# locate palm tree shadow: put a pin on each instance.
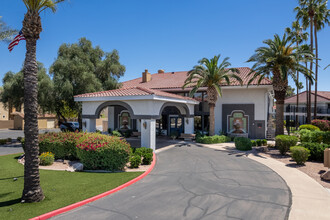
(10, 202)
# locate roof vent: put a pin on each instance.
(146, 76)
(161, 71)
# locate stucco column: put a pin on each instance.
(89, 124)
(189, 125)
(111, 117)
(148, 133)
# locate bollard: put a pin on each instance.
(327, 157)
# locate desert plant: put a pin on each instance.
(284, 142)
(135, 161)
(242, 143)
(46, 158)
(299, 154)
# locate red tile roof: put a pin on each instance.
(133, 91)
(176, 80)
(322, 96)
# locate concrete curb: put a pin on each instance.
(84, 202)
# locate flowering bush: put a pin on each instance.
(324, 125)
(46, 159)
(97, 151)
(62, 144)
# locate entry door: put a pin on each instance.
(176, 125)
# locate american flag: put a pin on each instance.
(16, 41)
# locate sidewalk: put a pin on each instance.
(310, 200)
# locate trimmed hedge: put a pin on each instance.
(103, 152)
(62, 144)
(243, 144)
(316, 150)
(284, 142)
(314, 136)
(309, 127)
(299, 154)
(147, 159)
(135, 161)
(213, 139)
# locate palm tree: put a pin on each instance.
(5, 32)
(32, 191)
(297, 37)
(322, 15)
(211, 74)
(278, 60)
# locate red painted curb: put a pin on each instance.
(84, 202)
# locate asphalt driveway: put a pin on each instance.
(191, 182)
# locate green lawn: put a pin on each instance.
(61, 188)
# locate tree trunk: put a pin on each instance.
(32, 191)
(297, 104)
(316, 72)
(211, 120)
(280, 97)
(309, 107)
(307, 101)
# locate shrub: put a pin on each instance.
(253, 143)
(103, 152)
(116, 133)
(309, 127)
(264, 142)
(98, 131)
(147, 159)
(326, 137)
(135, 161)
(299, 154)
(62, 144)
(259, 142)
(127, 133)
(174, 134)
(323, 125)
(46, 158)
(242, 143)
(316, 150)
(3, 141)
(213, 139)
(142, 151)
(19, 139)
(9, 140)
(284, 142)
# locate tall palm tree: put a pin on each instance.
(5, 32)
(322, 15)
(31, 30)
(298, 36)
(211, 74)
(279, 60)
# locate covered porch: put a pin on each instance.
(139, 109)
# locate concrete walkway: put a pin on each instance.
(192, 182)
(310, 200)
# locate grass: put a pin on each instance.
(60, 188)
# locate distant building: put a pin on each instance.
(323, 106)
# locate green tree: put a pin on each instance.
(5, 32)
(13, 90)
(211, 74)
(298, 36)
(31, 30)
(81, 68)
(279, 60)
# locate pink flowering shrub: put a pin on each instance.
(102, 152)
(324, 125)
(62, 144)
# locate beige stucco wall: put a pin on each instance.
(256, 96)
(6, 124)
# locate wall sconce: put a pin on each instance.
(187, 120)
(145, 125)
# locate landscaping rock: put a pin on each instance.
(76, 167)
(326, 175)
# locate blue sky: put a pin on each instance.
(160, 34)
